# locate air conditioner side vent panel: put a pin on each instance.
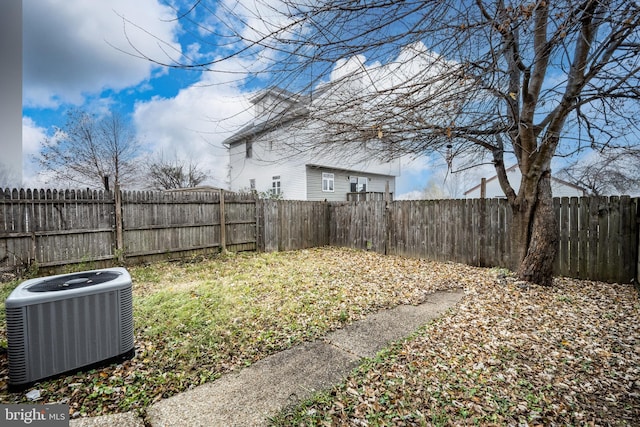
(126, 316)
(17, 351)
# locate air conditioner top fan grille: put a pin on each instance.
(73, 281)
(68, 286)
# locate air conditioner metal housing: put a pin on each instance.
(63, 323)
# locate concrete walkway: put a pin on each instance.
(248, 397)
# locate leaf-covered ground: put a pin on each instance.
(197, 320)
(509, 354)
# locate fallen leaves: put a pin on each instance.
(508, 355)
(511, 353)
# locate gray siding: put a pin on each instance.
(377, 183)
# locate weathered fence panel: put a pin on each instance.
(359, 225)
(240, 221)
(290, 225)
(469, 231)
(51, 227)
(160, 222)
(598, 236)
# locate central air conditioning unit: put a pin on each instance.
(63, 323)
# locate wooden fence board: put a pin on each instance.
(629, 224)
(560, 208)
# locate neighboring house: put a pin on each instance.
(273, 155)
(559, 188)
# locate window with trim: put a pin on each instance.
(327, 181)
(358, 184)
(249, 150)
(275, 186)
(252, 184)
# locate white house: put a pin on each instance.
(273, 154)
(559, 188)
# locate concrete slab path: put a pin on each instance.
(252, 395)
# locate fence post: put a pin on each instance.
(223, 227)
(260, 235)
(118, 219)
(387, 219)
(327, 224)
(482, 261)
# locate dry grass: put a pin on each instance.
(509, 354)
(197, 320)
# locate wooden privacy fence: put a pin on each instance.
(159, 223)
(598, 237)
(471, 231)
(289, 225)
(49, 228)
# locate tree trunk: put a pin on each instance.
(535, 236)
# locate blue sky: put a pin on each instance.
(72, 59)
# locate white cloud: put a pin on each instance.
(32, 136)
(70, 47)
(192, 126)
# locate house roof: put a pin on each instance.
(511, 169)
(296, 109)
(256, 127)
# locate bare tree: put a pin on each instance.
(527, 80)
(613, 171)
(165, 175)
(91, 150)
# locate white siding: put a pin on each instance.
(263, 165)
(559, 189)
(287, 151)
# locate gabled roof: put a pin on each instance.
(511, 169)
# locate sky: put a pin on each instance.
(74, 57)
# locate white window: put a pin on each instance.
(358, 184)
(275, 186)
(327, 181)
(252, 184)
